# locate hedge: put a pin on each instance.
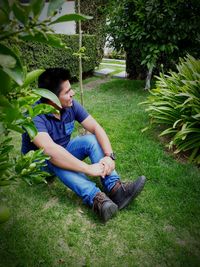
(37, 55)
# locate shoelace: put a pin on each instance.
(100, 197)
(98, 201)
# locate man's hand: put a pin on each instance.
(97, 169)
(109, 165)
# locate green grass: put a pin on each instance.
(51, 227)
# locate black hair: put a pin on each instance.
(52, 79)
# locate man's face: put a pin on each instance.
(66, 94)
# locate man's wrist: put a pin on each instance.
(85, 167)
(111, 155)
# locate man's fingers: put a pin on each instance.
(105, 169)
(108, 161)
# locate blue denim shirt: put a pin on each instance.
(59, 130)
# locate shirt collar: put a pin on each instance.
(64, 111)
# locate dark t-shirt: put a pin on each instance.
(59, 130)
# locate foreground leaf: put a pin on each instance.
(53, 5)
(16, 71)
(48, 95)
(32, 76)
(71, 17)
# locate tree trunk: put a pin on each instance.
(148, 79)
(80, 57)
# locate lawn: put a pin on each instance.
(116, 69)
(50, 226)
(114, 61)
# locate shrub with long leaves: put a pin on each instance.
(175, 103)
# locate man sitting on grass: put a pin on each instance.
(66, 156)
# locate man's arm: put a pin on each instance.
(91, 125)
(63, 159)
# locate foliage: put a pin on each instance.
(176, 103)
(20, 23)
(27, 167)
(154, 32)
(95, 26)
(40, 55)
(114, 54)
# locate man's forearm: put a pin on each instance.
(65, 160)
(103, 140)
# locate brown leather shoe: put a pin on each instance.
(123, 193)
(104, 206)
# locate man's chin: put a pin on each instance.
(68, 105)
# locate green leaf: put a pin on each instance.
(144, 129)
(5, 166)
(5, 85)
(49, 95)
(16, 72)
(6, 149)
(7, 61)
(31, 129)
(49, 39)
(4, 102)
(32, 76)
(4, 213)
(4, 5)
(53, 5)
(26, 101)
(16, 128)
(71, 17)
(20, 13)
(3, 17)
(194, 154)
(37, 6)
(43, 109)
(176, 122)
(4, 183)
(168, 131)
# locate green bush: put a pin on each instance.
(38, 55)
(154, 32)
(176, 103)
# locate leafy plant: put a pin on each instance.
(20, 23)
(175, 103)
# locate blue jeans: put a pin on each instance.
(82, 147)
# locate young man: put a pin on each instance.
(66, 156)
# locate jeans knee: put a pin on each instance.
(92, 140)
(93, 143)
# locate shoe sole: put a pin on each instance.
(136, 192)
(110, 212)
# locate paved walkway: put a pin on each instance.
(113, 70)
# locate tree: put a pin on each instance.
(154, 33)
(20, 23)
